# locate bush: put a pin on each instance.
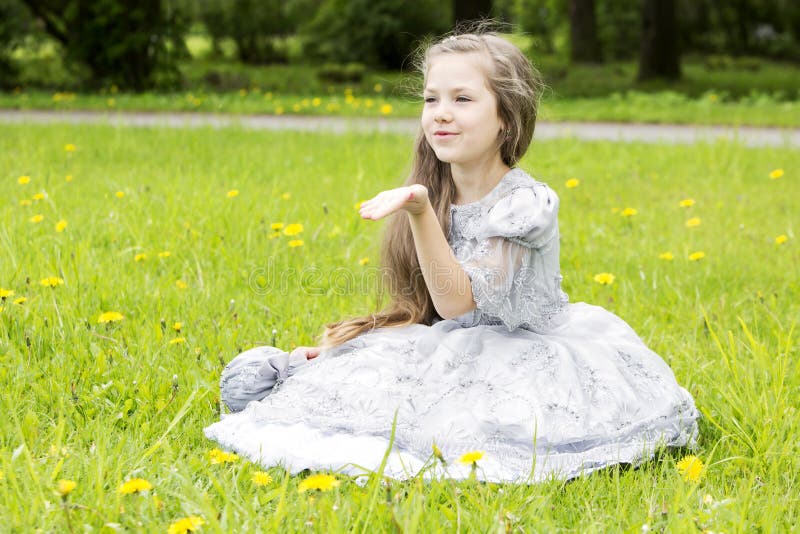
(334, 73)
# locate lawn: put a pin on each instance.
(173, 230)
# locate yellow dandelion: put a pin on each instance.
(164, 254)
(218, 456)
(134, 485)
(177, 341)
(666, 256)
(694, 221)
(140, 257)
(180, 284)
(177, 327)
(233, 193)
(69, 147)
(25, 202)
(277, 227)
(437, 452)
(37, 218)
(274, 235)
(781, 239)
(316, 102)
(628, 212)
(296, 243)
(604, 278)
(377, 88)
(261, 478)
(293, 229)
(68, 178)
(775, 174)
(111, 102)
(185, 525)
(22, 180)
(279, 110)
(686, 203)
(699, 255)
(64, 487)
(4, 293)
(363, 261)
(321, 482)
(573, 183)
(61, 226)
(119, 194)
(51, 281)
(691, 467)
(110, 317)
(471, 457)
(38, 196)
(286, 196)
(386, 109)
(21, 300)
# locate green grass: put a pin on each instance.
(98, 404)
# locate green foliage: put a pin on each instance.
(15, 23)
(374, 32)
(99, 404)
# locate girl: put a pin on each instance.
(480, 349)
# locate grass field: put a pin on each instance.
(165, 227)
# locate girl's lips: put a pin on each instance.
(444, 134)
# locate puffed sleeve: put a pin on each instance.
(527, 215)
(507, 266)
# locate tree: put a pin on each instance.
(585, 48)
(471, 10)
(659, 55)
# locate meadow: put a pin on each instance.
(136, 262)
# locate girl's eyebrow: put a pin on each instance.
(454, 89)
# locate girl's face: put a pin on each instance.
(459, 117)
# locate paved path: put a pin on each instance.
(647, 133)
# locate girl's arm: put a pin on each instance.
(448, 283)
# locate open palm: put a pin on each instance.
(412, 198)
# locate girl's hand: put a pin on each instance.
(413, 198)
(310, 352)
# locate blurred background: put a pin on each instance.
(584, 48)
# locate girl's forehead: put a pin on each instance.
(461, 69)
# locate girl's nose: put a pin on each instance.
(443, 114)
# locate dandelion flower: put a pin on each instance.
(628, 212)
(134, 485)
(164, 254)
(386, 109)
(22, 180)
(21, 300)
(293, 229)
(666, 256)
(119, 194)
(295, 243)
(177, 340)
(437, 452)
(321, 482)
(694, 221)
(177, 327)
(218, 456)
(51, 281)
(110, 317)
(363, 261)
(38, 196)
(377, 88)
(691, 467)
(69, 147)
(180, 284)
(775, 174)
(68, 178)
(37, 218)
(25, 202)
(286, 196)
(604, 278)
(61, 226)
(64, 487)
(686, 203)
(471, 457)
(277, 227)
(699, 255)
(140, 257)
(233, 193)
(4, 293)
(187, 524)
(261, 478)
(357, 205)
(573, 183)
(316, 102)
(781, 239)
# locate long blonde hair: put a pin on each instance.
(517, 86)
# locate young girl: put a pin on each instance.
(480, 349)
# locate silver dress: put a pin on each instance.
(543, 387)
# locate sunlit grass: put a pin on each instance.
(100, 399)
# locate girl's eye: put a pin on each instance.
(429, 99)
(462, 99)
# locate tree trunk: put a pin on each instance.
(585, 48)
(659, 55)
(465, 11)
